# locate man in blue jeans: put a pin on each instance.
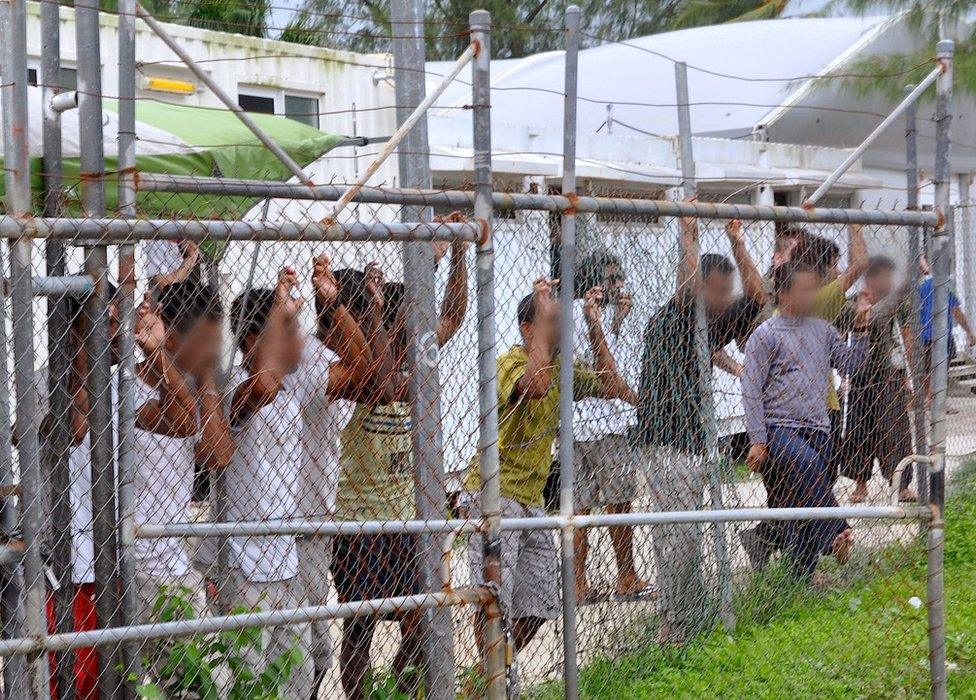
(787, 362)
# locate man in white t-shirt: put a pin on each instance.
(279, 380)
(180, 337)
(606, 467)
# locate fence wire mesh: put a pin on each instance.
(284, 517)
(273, 382)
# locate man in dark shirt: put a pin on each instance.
(670, 416)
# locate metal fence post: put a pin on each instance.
(421, 321)
(567, 273)
(13, 38)
(58, 440)
(480, 22)
(915, 352)
(98, 341)
(126, 343)
(714, 466)
(941, 265)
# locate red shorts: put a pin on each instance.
(85, 667)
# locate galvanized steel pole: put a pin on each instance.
(704, 354)
(126, 299)
(915, 352)
(941, 265)
(567, 274)
(480, 22)
(98, 342)
(407, 16)
(13, 60)
(58, 440)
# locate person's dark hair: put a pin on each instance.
(818, 252)
(785, 275)
(526, 309)
(249, 313)
(182, 304)
(394, 293)
(712, 262)
(352, 295)
(592, 270)
(786, 233)
(878, 264)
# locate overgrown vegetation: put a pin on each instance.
(864, 639)
(214, 666)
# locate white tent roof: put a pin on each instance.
(737, 74)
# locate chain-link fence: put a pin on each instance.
(268, 448)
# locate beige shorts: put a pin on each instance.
(530, 570)
(605, 472)
(314, 561)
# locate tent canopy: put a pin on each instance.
(181, 140)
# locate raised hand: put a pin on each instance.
(287, 304)
(733, 230)
(625, 303)
(324, 282)
(150, 333)
(191, 253)
(862, 311)
(542, 295)
(375, 284)
(592, 301)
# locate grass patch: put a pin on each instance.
(864, 640)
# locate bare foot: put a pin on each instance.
(842, 546)
(907, 496)
(583, 590)
(860, 492)
(631, 585)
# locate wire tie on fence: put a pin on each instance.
(485, 232)
(573, 203)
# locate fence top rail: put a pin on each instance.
(128, 230)
(154, 182)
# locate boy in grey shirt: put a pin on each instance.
(784, 385)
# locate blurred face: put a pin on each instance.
(717, 291)
(545, 324)
(880, 284)
(198, 350)
(613, 284)
(799, 299)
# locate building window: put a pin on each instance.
(302, 109)
(256, 103)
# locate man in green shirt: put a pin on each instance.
(528, 408)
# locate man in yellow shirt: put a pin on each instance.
(528, 408)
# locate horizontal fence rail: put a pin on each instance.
(365, 527)
(182, 184)
(129, 230)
